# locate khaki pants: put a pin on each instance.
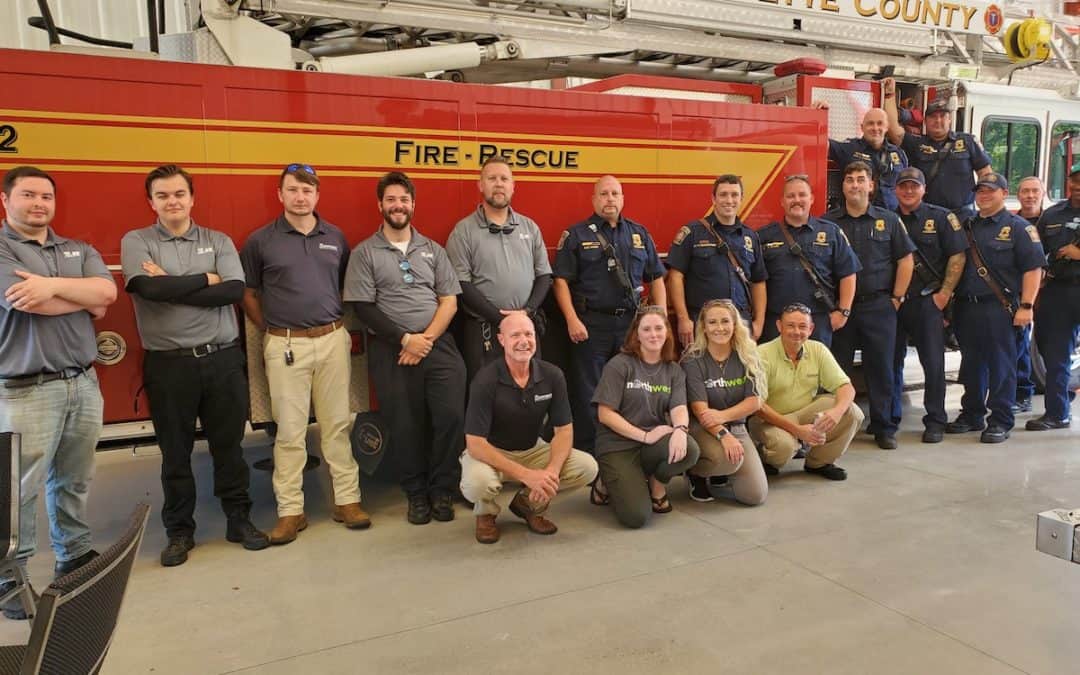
(319, 374)
(481, 484)
(778, 446)
(748, 480)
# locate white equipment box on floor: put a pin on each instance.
(1057, 532)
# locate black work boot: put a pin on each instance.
(240, 530)
(176, 551)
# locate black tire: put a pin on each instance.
(1038, 369)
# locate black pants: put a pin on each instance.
(920, 319)
(424, 406)
(212, 389)
(606, 335)
(871, 327)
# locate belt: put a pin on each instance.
(611, 311)
(313, 332)
(197, 352)
(1072, 281)
(41, 378)
(978, 298)
(865, 297)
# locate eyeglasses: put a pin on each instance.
(300, 167)
(796, 307)
(406, 272)
(797, 176)
(652, 309)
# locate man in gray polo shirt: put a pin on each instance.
(294, 268)
(184, 280)
(404, 289)
(53, 289)
(501, 262)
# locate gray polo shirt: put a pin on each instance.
(298, 276)
(375, 274)
(32, 343)
(173, 325)
(501, 266)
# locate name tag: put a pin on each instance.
(427, 254)
(72, 254)
(541, 397)
(203, 250)
(327, 247)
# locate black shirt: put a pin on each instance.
(511, 417)
(1059, 226)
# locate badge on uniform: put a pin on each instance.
(1033, 233)
(822, 239)
(369, 441)
(562, 240)
(955, 222)
(681, 235)
(1005, 234)
(748, 243)
(894, 157)
(929, 227)
(635, 239)
(959, 145)
(879, 224)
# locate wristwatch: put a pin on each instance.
(844, 312)
(1026, 305)
(721, 432)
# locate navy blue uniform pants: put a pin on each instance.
(424, 406)
(1057, 319)
(921, 320)
(988, 360)
(213, 389)
(1025, 386)
(871, 327)
(606, 335)
(822, 328)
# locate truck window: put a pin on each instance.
(1060, 139)
(1013, 146)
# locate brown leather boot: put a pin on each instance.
(487, 532)
(521, 508)
(286, 529)
(353, 515)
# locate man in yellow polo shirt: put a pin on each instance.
(797, 368)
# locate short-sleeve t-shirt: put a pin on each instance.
(719, 385)
(643, 394)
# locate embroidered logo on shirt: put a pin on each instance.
(635, 239)
(1033, 233)
(721, 383)
(427, 254)
(649, 387)
(959, 146)
(879, 224)
(929, 227)
(541, 397)
(72, 254)
(1005, 234)
(822, 239)
(775, 244)
(955, 222)
(203, 250)
(562, 240)
(682, 234)
(327, 247)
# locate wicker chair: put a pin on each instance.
(77, 613)
(10, 475)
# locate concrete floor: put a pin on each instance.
(922, 562)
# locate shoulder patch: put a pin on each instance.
(748, 243)
(562, 239)
(1033, 233)
(681, 235)
(954, 222)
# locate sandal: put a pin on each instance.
(661, 504)
(597, 497)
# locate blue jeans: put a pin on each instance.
(59, 423)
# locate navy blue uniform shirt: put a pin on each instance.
(954, 185)
(939, 235)
(1060, 225)
(581, 261)
(827, 249)
(1009, 245)
(708, 270)
(886, 163)
(879, 240)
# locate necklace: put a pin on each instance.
(655, 371)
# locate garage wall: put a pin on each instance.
(112, 19)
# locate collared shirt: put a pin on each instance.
(501, 265)
(174, 325)
(954, 185)
(886, 163)
(793, 386)
(1059, 226)
(879, 239)
(938, 235)
(581, 260)
(708, 270)
(298, 276)
(34, 343)
(511, 417)
(827, 249)
(1010, 246)
(406, 287)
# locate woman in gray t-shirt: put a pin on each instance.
(643, 439)
(725, 383)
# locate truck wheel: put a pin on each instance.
(1038, 369)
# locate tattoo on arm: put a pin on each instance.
(953, 270)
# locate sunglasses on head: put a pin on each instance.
(300, 167)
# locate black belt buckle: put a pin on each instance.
(619, 311)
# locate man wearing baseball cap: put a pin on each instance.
(939, 262)
(996, 292)
(948, 159)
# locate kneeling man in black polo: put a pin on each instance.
(509, 402)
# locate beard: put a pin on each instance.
(388, 215)
(497, 201)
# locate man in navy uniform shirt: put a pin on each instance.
(1057, 316)
(601, 266)
(884, 249)
(700, 260)
(1010, 267)
(885, 159)
(939, 262)
(824, 247)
